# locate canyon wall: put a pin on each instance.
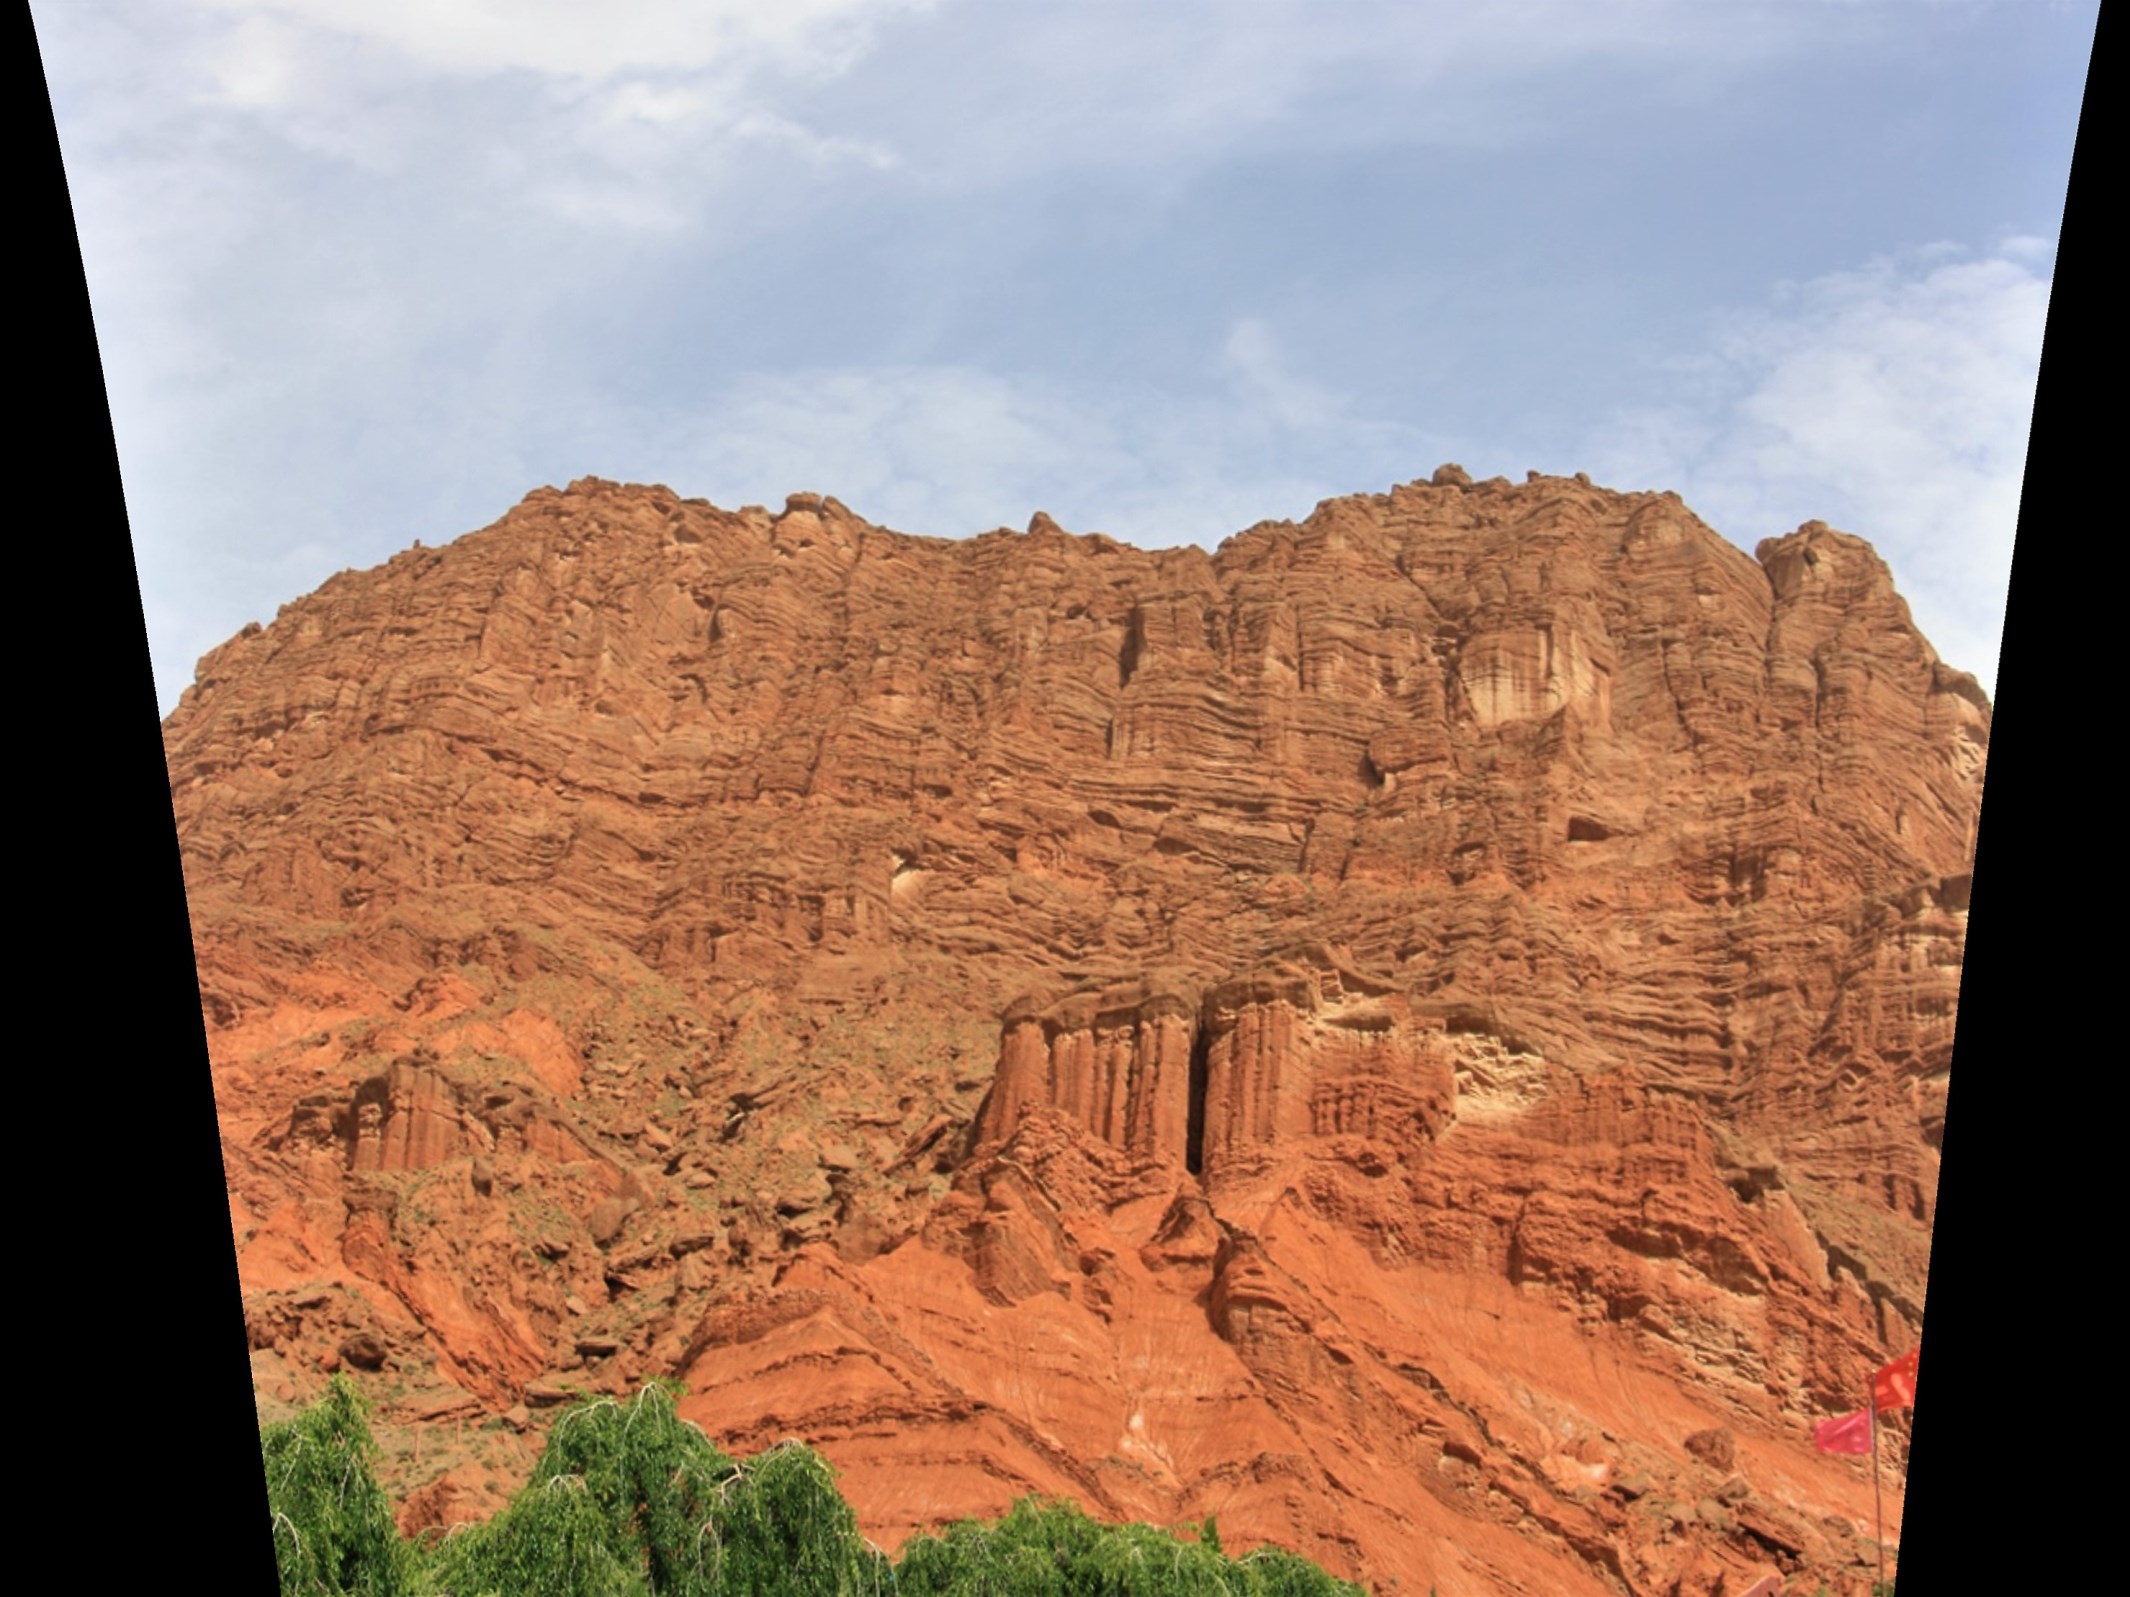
(1424, 1032)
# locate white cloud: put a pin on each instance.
(572, 39)
(1056, 87)
(257, 67)
(360, 266)
(642, 114)
(1892, 401)
(1003, 94)
(766, 128)
(1264, 384)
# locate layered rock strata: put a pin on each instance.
(1381, 1032)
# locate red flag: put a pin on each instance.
(1849, 1434)
(1895, 1385)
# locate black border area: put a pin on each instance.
(1991, 1453)
(141, 1356)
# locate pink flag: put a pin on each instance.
(1849, 1434)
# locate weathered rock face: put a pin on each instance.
(1381, 1033)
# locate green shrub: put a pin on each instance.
(1052, 1549)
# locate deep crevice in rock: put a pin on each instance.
(1194, 1136)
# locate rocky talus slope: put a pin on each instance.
(1423, 1033)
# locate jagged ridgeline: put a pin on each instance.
(630, 1500)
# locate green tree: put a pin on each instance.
(778, 1527)
(554, 1540)
(333, 1529)
(649, 1471)
(629, 1498)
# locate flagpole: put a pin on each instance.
(1878, 1513)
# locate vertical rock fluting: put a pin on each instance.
(411, 1119)
(1292, 1055)
(1256, 1093)
(1116, 1060)
(1261, 1063)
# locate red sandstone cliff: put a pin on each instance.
(1423, 1032)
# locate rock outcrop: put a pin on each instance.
(1395, 1032)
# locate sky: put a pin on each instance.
(367, 272)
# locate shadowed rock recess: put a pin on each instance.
(1423, 1033)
